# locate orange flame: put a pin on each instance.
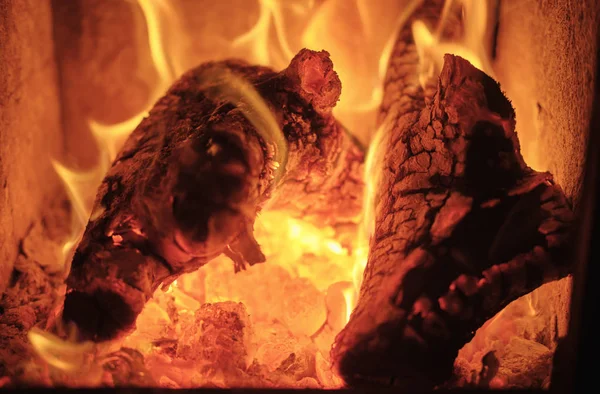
(81, 185)
(66, 355)
(307, 258)
(367, 225)
(257, 40)
(432, 47)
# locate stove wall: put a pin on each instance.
(545, 61)
(30, 124)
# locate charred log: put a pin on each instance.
(193, 175)
(463, 227)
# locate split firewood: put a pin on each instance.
(225, 141)
(462, 228)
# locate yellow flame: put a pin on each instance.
(372, 27)
(81, 185)
(224, 84)
(287, 241)
(432, 46)
(532, 300)
(257, 41)
(171, 287)
(111, 137)
(304, 250)
(153, 10)
(391, 41)
(350, 299)
(69, 355)
(76, 183)
(66, 355)
(366, 228)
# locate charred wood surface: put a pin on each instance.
(191, 178)
(463, 227)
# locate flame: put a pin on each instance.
(312, 261)
(295, 240)
(66, 355)
(68, 362)
(111, 137)
(431, 45)
(366, 227)
(257, 40)
(350, 298)
(69, 355)
(75, 184)
(81, 185)
(233, 89)
(372, 27)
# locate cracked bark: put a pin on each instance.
(463, 227)
(191, 178)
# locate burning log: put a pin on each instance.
(227, 139)
(463, 227)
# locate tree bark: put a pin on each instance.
(191, 178)
(463, 227)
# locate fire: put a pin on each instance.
(81, 185)
(240, 93)
(65, 355)
(304, 294)
(431, 46)
(257, 40)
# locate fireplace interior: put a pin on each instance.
(345, 204)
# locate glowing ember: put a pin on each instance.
(296, 302)
(272, 325)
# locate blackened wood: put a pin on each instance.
(463, 227)
(192, 177)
